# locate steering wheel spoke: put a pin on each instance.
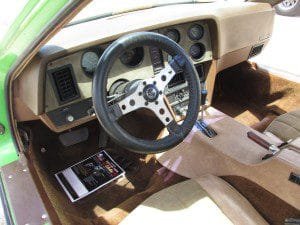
(132, 102)
(162, 111)
(146, 95)
(164, 77)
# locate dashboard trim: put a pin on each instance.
(232, 26)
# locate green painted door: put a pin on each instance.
(33, 20)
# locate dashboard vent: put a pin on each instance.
(256, 50)
(64, 81)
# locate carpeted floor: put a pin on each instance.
(249, 95)
(273, 209)
(107, 206)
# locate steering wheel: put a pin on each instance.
(146, 93)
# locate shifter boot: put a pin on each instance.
(205, 129)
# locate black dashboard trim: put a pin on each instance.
(50, 72)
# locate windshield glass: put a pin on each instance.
(98, 9)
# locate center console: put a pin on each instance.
(232, 153)
(177, 91)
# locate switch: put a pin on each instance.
(69, 118)
(91, 111)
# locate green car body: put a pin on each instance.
(27, 28)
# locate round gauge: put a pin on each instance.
(196, 32)
(132, 57)
(197, 50)
(173, 34)
(89, 62)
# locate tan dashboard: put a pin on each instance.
(120, 70)
(230, 33)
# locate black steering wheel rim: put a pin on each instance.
(103, 111)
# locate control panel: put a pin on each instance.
(71, 113)
(178, 97)
(177, 92)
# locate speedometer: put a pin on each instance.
(89, 62)
(132, 57)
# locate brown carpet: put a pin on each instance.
(242, 92)
(107, 206)
(272, 208)
(249, 94)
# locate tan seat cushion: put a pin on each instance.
(286, 126)
(206, 200)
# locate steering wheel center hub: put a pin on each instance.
(150, 93)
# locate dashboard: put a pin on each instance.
(69, 78)
(55, 86)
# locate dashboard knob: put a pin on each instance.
(91, 111)
(69, 118)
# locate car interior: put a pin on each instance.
(202, 135)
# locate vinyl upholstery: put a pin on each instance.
(205, 200)
(286, 126)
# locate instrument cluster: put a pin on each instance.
(193, 37)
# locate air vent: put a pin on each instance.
(256, 50)
(64, 82)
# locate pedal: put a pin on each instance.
(205, 129)
(127, 165)
(74, 137)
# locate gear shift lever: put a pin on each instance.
(203, 99)
(200, 124)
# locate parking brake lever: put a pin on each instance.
(271, 147)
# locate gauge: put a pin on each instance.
(132, 57)
(197, 50)
(173, 34)
(89, 62)
(196, 32)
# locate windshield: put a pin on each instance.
(98, 9)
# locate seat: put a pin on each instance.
(206, 200)
(285, 127)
